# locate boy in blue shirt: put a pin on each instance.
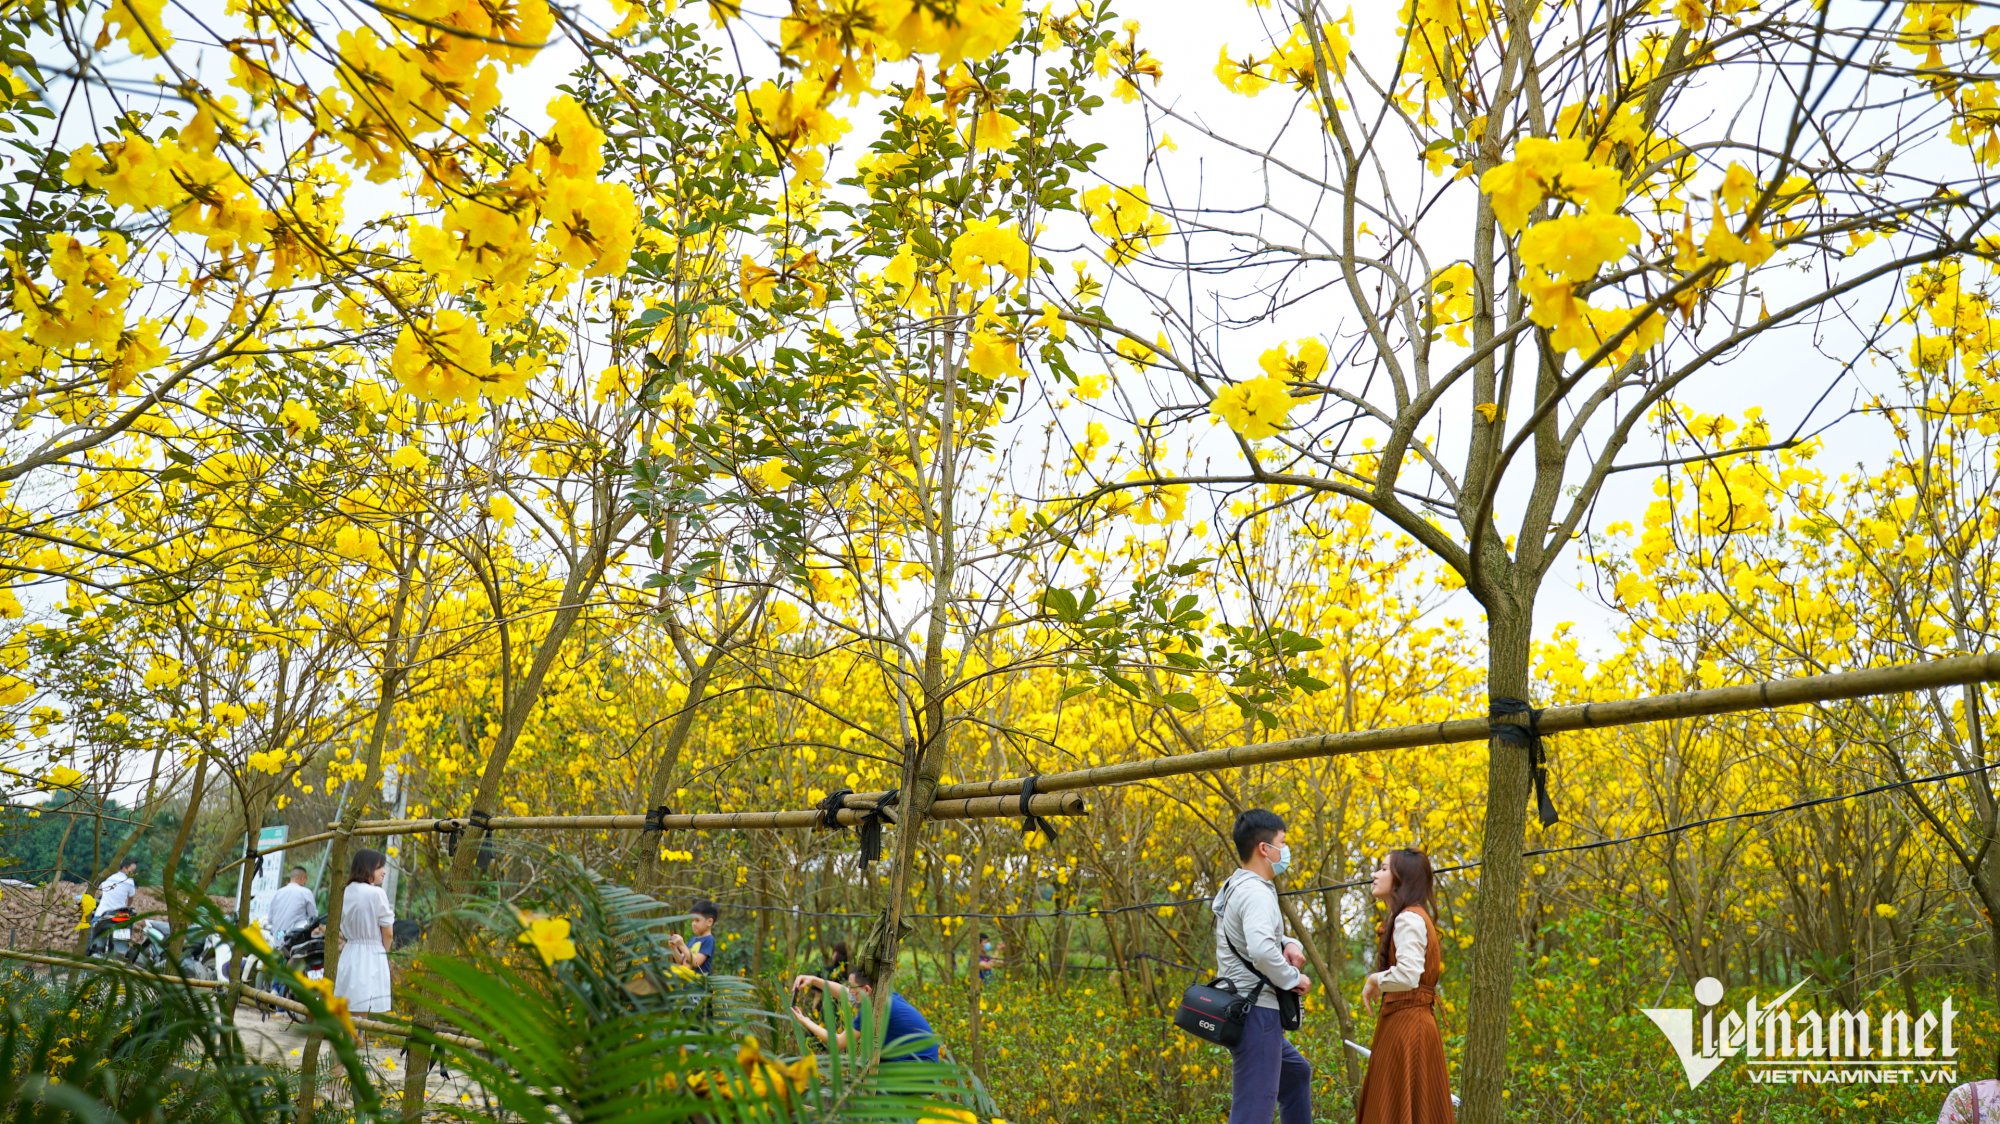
(904, 1021)
(698, 953)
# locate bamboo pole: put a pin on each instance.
(362, 1022)
(1904, 678)
(993, 807)
(1000, 799)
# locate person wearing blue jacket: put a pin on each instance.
(903, 1023)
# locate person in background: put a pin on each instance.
(698, 953)
(367, 931)
(902, 1024)
(985, 958)
(292, 907)
(115, 893)
(1406, 1082)
(837, 962)
(1975, 1102)
(1267, 1072)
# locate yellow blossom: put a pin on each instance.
(1575, 247)
(771, 475)
(336, 1005)
(988, 242)
(62, 776)
(550, 938)
(1255, 408)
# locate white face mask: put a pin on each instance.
(1283, 861)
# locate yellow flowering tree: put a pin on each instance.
(1518, 230)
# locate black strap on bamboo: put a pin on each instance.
(830, 808)
(253, 857)
(1529, 737)
(1030, 822)
(871, 828)
(484, 822)
(656, 819)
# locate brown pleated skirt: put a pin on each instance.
(1406, 1081)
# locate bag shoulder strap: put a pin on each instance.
(1262, 981)
(1222, 928)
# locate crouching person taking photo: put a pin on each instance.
(902, 1022)
(1268, 1074)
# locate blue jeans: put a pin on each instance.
(1268, 1074)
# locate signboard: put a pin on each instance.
(268, 877)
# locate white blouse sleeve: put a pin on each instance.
(1412, 940)
(385, 914)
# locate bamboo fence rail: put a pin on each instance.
(1054, 792)
(1904, 678)
(1060, 804)
(995, 807)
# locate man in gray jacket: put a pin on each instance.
(1267, 1072)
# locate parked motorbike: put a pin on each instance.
(149, 945)
(111, 936)
(144, 943)
(202, 956)
(304, 950)
(120, 936)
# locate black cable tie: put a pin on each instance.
(830, 808)
(871, 828)
(450, 829)
(253, 856)
(1030, 822)
(484, 822)
(656, 820)
(1530, 738)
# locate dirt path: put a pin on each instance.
(276, 1039)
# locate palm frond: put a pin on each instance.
(616, 1032)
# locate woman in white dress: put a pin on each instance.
(366, 934)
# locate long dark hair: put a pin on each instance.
(1409, 884)
(365, 864)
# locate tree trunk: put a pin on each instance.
(677, 736)
(1496, 908)
(1121, 963)
(921, 770)
(975, 992)
(764, 898)
(924, 755)
(253, 821)
(171, 868)
(1330, 975)
(514, 719)
(1059, 942)
(1983, 879)
(341, 853)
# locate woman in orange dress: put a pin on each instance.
(1406, 1081)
